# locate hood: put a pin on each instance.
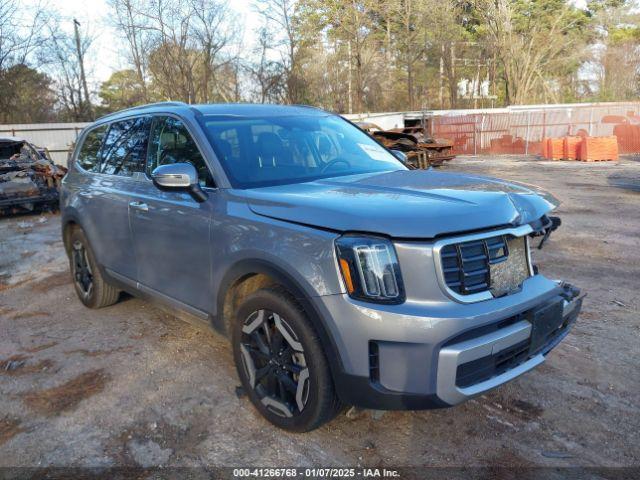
(403, 204)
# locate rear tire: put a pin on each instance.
(92, 289)
(281, 363)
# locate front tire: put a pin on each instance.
(281, 363)
(92, 289)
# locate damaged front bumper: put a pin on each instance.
(473, 366)
(426, 363)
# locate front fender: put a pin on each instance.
(247, 267)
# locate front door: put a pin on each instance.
(170, 229)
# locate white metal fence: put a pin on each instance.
(521, 129)
(57, 138)
(515, 130)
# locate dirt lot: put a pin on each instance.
(132, 385)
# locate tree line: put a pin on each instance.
(342, 55)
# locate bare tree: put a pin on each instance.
(64, 52)
(531, 43)
(215, 29)
(409, 20)
(267, 74)
(136, 30)
(21, 32)
(180, 48)
(617, 54)
(280, 16)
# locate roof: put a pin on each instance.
(235, 109)
(11, 139)
(256, 109)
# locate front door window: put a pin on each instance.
(170, 142)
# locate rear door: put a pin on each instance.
(112, 155)
(170, 229)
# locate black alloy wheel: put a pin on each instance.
(274, 362)
(92, 288)
(81, 270)
(281, 361)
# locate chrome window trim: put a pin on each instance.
(521, 231)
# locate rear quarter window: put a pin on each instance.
(89, 154)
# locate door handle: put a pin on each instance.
(140, 206)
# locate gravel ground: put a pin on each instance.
(131, 385)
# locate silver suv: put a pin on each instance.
(340, 276)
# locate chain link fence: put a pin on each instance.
(512, 130)
(520, 130)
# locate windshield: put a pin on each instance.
(263, 151)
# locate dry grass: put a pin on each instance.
(97, 353)
(18, 365)
(24, 315)
(54, 280)
(9, 428)
(4, 285)
(67, 396)
(39, 348)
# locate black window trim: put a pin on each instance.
(193, 138)
(80, 143)
(144, 172)
(110, 124)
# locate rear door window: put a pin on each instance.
(89, 155)
(170, 142)
(125, 147)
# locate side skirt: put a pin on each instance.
(196, 317)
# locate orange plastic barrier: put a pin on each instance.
(628, 137)
(571, 148)
(555, 147)
(545, 148)
(597, 149)
(507, 144)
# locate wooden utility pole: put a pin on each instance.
(442, 78)
(83, 77)
(350, 99)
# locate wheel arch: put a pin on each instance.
(69, 222)
(265, 274)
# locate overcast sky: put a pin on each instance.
(93, 16)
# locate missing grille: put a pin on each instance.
(497, 264)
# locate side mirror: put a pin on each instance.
(400, 156)
(179, 176)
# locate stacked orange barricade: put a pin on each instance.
(545, 147)
(571, 148)
(599, 149)
(555, 147)
(585, 149)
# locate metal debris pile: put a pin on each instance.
(422, 151)
(28, 178)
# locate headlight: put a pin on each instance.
(370, 269)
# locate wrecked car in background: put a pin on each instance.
(421, 150)
(28, 177)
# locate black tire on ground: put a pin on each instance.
(92, 289)
(302, 351)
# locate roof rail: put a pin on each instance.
(142, 107)
(304, 105)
